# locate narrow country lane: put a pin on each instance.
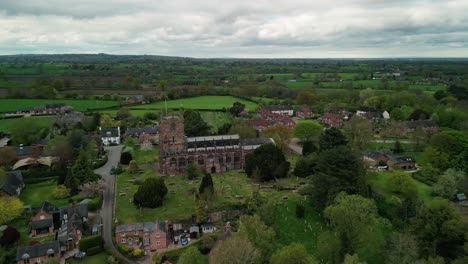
(107, 210)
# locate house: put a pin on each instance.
(304, 112)
(44, 221)
(38, 253)
(13, 183)
(110, 135)
(428, 126)
(208, 228)
(23, 152)
(275, 118)
(259, 124)
(149, 236)
(341, 111)
(375, 157)
(402, 162)
(68, 221)
(372, 113)
(461, 198)
(286, 110)
(136, 132)
(331, 120)
(135, 99)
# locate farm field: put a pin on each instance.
(201, 102)
(7, 124)
(80, 105)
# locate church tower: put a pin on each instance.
(171, 134)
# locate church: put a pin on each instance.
(213, 154)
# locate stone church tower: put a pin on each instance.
(171, 137)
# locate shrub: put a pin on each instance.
(125, 158)
(94, 251)
(132, 167)
(95, 203)
(90, 242)
(300, 210)
(60, 192)
(151, 193)
(9, 237)
(136, 253)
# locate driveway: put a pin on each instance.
(294, 146)
(107, 211)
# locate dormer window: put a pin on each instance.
(41, 217)
(108, 133)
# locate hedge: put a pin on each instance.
(94, 251)
(173, 255)
(43, 173)
(90, 242)
(95, 203)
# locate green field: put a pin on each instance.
(7, 124)
(36, 193)
(201, 102)
(380, 182)
(216, 119)
(79, 105)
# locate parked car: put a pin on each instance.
(80, 255)
(112, 170)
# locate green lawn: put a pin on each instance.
(216, 119)
(201, 102)
(8, 124)
(380, 182)
(80, 105)
(290, 229)
(36, 193)
(300, 84)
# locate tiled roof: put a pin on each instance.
(37, 250)
(13, 181)
(42, 223)
(110, 132)
(146, 227)
(140, 130)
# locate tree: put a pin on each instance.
(306, 166)
(332, 138)
(27, 133)
(308, 148)
(359, 132)
(106, 121)
(292, 254)
(236, 108)
(9, 237)
(448, 183)
(439, 229)
(151, 193)
(268, 162)
(236, 250)
(402, 249)
(60, 147)
(126, 157)
(358, 225)
(202, 211)
(339, 169)
(254, 201)
(281, 134)
(194, 125)
(192, 171)
(124, 113)
(244, 130)
(261, 236)
(81, 172)
(60, 192)
(192, 255)
(305, 97)
(307, 130)
(11, 207)
(402, 183)
(398, 148)
(353, 259)
(133, 167)
(7, 156)
(329, 247)
(206, 186)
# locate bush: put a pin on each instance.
(9, 237)
(90, 242)
(60, 192)
(125, 158)
(95, 203)
(94, 251)
(151, 193)
(136, 253)
(300, 210)
(132, 167)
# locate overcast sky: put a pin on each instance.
(237, 28)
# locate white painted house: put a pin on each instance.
(110, 136)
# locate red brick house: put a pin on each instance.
(331, 120)
(304, 112)
(38, 253)
(43, 221)
(259, 124)
(149, 236)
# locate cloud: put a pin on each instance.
(210, 28)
